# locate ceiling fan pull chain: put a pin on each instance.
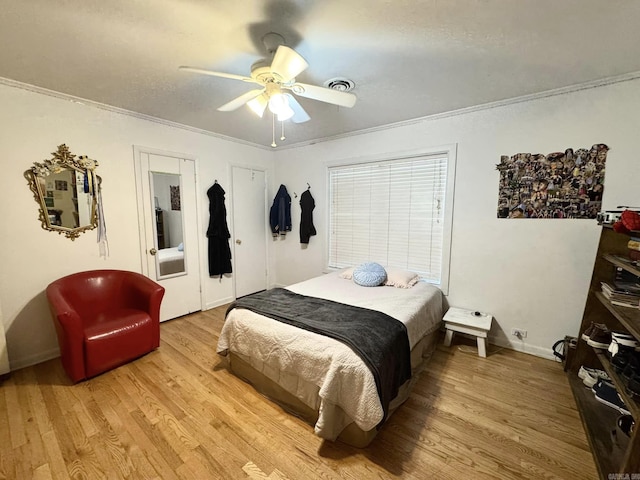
(273, 130)
(282, 137)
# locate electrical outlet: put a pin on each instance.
(518, 332)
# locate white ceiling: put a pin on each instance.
(409, 59)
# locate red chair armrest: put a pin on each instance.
(70, 332)
(144, 294)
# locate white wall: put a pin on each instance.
(32, 125)
(530, 274)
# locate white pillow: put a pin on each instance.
(396, 277)
(347, 273)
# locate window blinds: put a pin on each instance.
(389, 212)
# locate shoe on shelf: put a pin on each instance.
(600, 336)
(601, 383)
(621, 341)
(621, 434)
(633, 386)
(589, 330)
(608, 395)
(590, 376)
(633, 366)
(621, 360)
(624, 338)
(618, 350)
(626, 424)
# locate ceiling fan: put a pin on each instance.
(277, 78)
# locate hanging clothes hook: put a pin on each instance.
(308, 186)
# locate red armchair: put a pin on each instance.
(104, 318)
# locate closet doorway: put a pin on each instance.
(250, 230)
(167, 216)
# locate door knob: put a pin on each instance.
(153, 251)
(238, 242)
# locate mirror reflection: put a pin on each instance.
(66, 188)
(169, 225)
(68, 205)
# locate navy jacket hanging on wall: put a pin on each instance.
(280, 213)
(307, 203)
(218, 233)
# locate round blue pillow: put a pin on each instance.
(369, 274)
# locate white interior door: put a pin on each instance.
(169, 230)
(249, 230)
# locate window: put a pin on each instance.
(395, 212)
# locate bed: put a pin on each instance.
(320, 379)
(170, 260)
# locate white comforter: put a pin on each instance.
(286, 354)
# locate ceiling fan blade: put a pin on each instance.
(259, 104)
(287, 63)
(217, 74)
(299, 114)
(241, 100)
(328, 95)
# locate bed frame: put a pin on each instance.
(352, 434)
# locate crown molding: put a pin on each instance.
(122, 111)
(603, 82)
(627, 77)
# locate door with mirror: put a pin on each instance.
(169, 240)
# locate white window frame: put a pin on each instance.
(450, 151)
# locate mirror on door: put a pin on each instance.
(169, 239)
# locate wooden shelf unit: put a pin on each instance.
(598, 428)
(160, 228)
(612, 455)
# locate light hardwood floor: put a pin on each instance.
(178, 414)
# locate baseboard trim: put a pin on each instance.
(518, 347)
(217, 303)
(524, 348)
(34, 359)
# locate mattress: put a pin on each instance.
(324, 374)
(170, 260)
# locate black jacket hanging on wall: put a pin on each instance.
(280, 213)
(307, 203)
(218, 233)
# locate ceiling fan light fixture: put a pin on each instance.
(279, 104)
(285, 114)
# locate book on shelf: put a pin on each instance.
(619, 291)
(622, 303)
(626, 281)
(620, 297)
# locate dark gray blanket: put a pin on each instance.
(379, 340)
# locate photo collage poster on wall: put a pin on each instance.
(565, 184)
(174, 191)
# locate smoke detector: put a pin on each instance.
(340, 83)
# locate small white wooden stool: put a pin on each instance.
(470, 322)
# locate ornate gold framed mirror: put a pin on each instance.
(66, 188)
